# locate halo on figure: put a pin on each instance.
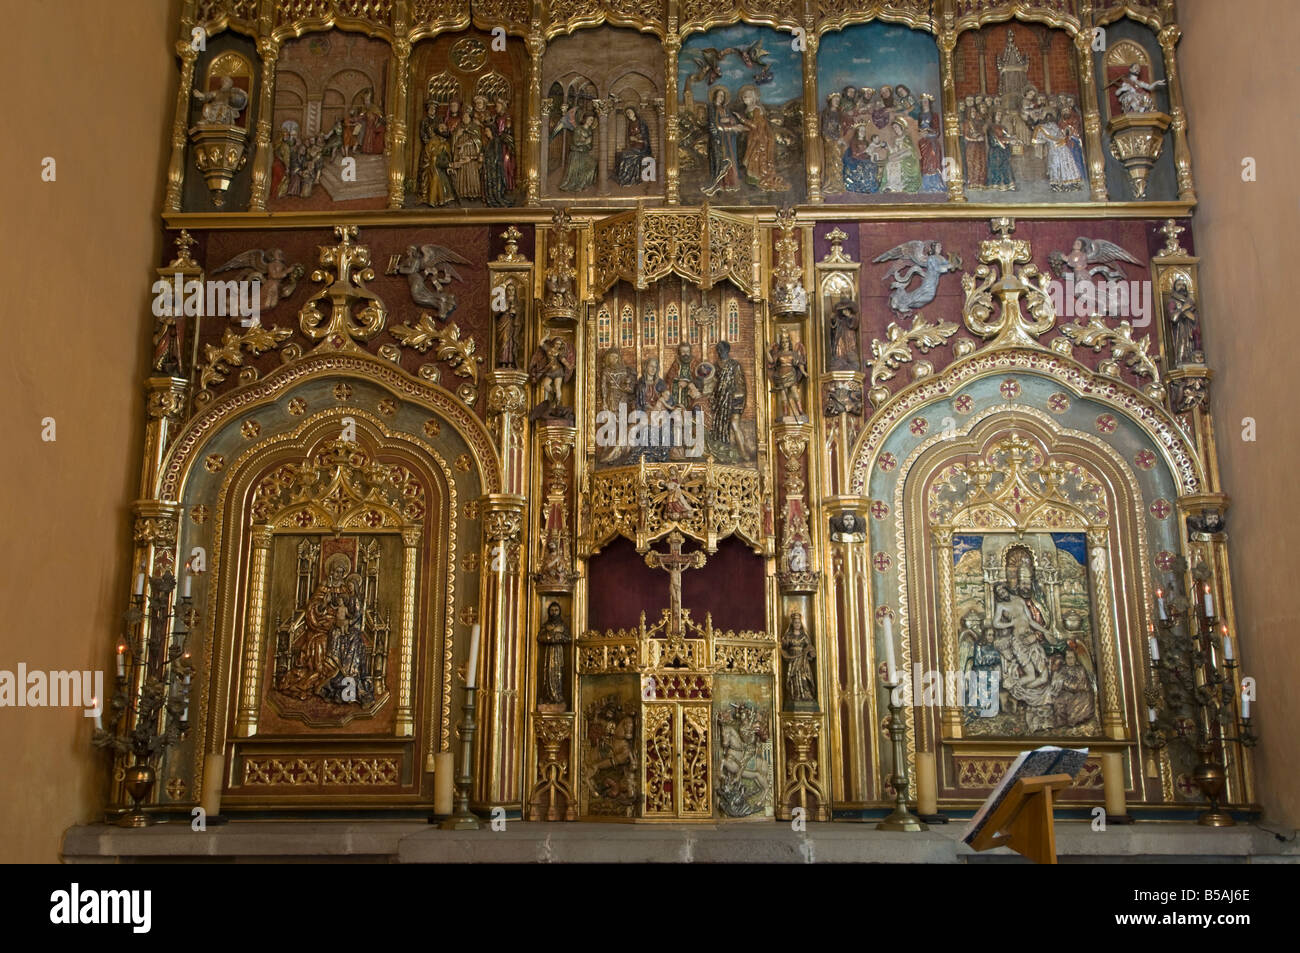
(337, 560)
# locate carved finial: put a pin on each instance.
(837, 238)
(1003, 226)
(345, 233)
(511, 236)
(1173, 248)
(184, 242)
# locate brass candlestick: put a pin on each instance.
(462, 818)
(901, 819)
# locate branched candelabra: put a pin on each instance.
(1198, 657)
(150, 707)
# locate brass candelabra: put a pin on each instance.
(150, 706)
(1191, 630)
(462, 818)
(901, 819)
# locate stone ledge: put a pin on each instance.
(529, 842)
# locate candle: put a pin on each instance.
(891, 675)
(99, 717)
(1155, 649)
(121, 660)
(1245, 705)
(1209, 603)
(139, 584)
(213, 768)
(1160, 604)
(1113, 783)
(1151, 715)
(927, 792)
(185, 714)
(444, 783)
(1227, 645)
(189, 579)
(472, 676)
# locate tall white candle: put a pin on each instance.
(1160, 604)
(121, 660)
(1227, 647)
(471, 679)
(1151, 715)
(1155, 650)
(189, 579)
(1245, 705)
(891, 675)
(214, 766)
(1209, 602)
(139, 584)
(99, 717)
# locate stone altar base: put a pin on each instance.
(415, 842)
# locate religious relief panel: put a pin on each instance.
(335, 612)
(1027, 635)
(676, 375)
(603, 116)
(1135, 115)
(878, 89)
(329, 124)
(740, 117)
(467, 128)
(1019, 109)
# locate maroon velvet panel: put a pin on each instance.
(730, 586)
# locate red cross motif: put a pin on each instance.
(1105, 424)
(1059, 403)
(1165, 560)
(887, 462)
(963, 404)
(1160, 509)
(1145, 459)
(1186, 786)
(1010, 389)
(882, 562)
(919, 426)
(879, 509)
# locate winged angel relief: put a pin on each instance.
(919, 257)
(429, 269)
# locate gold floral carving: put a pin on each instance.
(303, 771)
(896, 348)
(992, 308)
(457, 351)
(221, 360)
(1124, 351)
(355, 314)
(341, 486)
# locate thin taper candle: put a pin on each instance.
(891, 666)
(471, 679)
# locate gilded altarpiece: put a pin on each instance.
(681, 348)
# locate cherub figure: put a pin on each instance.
(552, 366)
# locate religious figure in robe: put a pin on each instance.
(494, 172)
(1001, 178)
(902, 162)
(433, 183)
(832, 130)
(682, 388)
(788, 367)
(844, 336)
(222, 105)
(1072, 695)
(930, 146)
(862, 159)
(505, 143)
(376, 124)
(1135, 94)
(629, 160)
(975, 143)
(798, 655)
(723, 128)
(467, 157)
(1181, 308)
(727, 403)
(509, 329)
(329, 647)
(580, 173)
(760, 147)
(1021, 637)
(554, 638)
(1063, 172)
(983, 671)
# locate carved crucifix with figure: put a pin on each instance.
(675, 562)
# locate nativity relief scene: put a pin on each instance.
(660, 412)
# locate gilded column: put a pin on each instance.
(397, 116)
(672, 97)
(953, 172)
(250, 682)
(405, 720)
(176, 166)
(1091, 116)
(536, 43)
(1182, 152)
(812, 138)
(952, 714)
(500, 742)
(1112, 713)
(269, 49)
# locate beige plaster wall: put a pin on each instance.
(76, 255)
(1241, 81)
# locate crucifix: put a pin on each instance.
(675, 562)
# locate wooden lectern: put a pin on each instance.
(1023, 821)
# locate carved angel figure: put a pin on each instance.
(918, 257)
(428, 270)
(1089, 257)
(552, 365)
(267, 265)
